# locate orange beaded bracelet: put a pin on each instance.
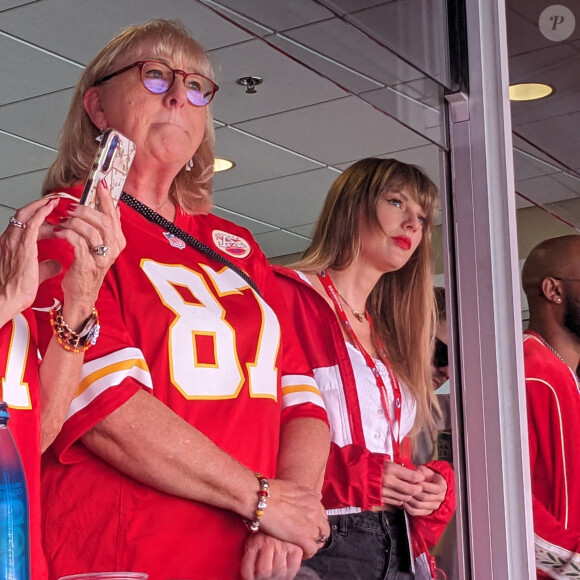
(263, 495)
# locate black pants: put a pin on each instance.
(363, 546)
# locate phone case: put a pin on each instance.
(112, 163)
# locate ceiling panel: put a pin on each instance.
(28, 118)
(524, 34)
(558, 135)
(547, 189)
(287, 84)
(7, 4)
(527, 166)
(18, 190)
(255, 160)
(255, 226)
(355, 50)
(280, 243)
(351, 6)
(323, 65)
(27, 72)
(19, 157)
(304, 230)
(5, 214)
(335, 132)
(302, 196)
(78, 29)
(427, 157)
(277, 15)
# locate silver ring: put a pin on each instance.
(14, 222)
(100, 250)
(321, 539)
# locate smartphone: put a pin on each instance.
(112, 163)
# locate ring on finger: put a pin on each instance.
(17, 224)
(100, 250)
(322, 539)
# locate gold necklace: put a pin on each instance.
(360, 316)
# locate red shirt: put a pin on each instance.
(20, 390)
(190, 331)
(553, 403)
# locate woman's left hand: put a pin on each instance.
(432, 495)
(97, 239)
(267, 558)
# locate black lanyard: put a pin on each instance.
(154, 217)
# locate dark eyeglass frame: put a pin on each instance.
(566, 279)
(182, 73)
(440, 354)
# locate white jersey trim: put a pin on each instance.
(109, 371)
(555, 560)
(299, 389)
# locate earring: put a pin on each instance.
(558, 300)
(101, 128)
(189, 165)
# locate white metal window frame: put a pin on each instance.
(495, 528)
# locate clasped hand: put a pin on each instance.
(85, 230)
(292, 522)
(418, 491)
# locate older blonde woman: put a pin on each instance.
(173, 438)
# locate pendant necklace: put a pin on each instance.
(360, 316)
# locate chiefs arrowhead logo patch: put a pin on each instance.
(231, 244)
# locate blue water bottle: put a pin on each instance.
(14, 529)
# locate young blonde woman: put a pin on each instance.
(363, 307)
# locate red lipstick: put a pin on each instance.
(402, 241)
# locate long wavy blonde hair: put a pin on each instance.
(401, 304)
(77, 145)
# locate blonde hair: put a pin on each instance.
(77, 145)
(402, 304)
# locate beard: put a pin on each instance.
(572, 315)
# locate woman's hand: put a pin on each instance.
(400, 484)
(97, 239)
(20, 273)
(431, 496)
(267, 558)
(295, 514)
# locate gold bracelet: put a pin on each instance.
(70, 340)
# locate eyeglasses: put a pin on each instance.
(566, 279)
(440, 354)
(158, 77)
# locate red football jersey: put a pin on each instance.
(20, 390)
(553, 406)
(191, 331)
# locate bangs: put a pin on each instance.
(182, 48)
(154, 38)
(423, 190)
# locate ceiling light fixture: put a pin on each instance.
(250, 83)
(530, 91)
(222, 164)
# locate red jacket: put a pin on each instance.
(353, 473)
(553, 402)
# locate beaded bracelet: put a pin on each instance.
(70, 340)
(263, 495)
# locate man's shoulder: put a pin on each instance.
(541, 365)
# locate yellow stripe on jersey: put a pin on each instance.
(299, 389)
(112, 369)
(109, 371)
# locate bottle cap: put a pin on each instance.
(4, 414)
